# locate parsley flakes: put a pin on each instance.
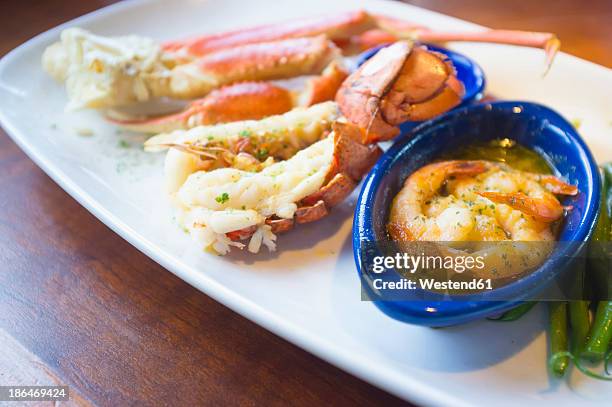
(223, 198)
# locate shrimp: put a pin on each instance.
(475, 201)
(478, 202)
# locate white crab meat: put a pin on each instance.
(101, 71)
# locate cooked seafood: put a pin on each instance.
(355, 31)
(221, 207)
(481, 201)
(400, 84)
(246, 145)
(109, 72)
(241, 101)
(194, 160)
(281, 136)
(104, 72)
(476, 201)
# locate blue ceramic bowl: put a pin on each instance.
(532, 125)
(468, 72)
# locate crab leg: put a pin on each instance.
(355, 31)
(323, 87)
(338, 26)
(107, 72)
(253, 62)
(241, 101)
(398, 29)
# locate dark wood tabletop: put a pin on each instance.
(80, 306)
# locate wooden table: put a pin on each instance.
(80, 306)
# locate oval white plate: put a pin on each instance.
(307, 292)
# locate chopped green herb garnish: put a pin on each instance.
(262, 153)
(123, 144)
(223, 198)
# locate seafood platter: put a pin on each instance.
(285, 160)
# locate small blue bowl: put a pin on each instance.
(533, 126)
(468, 72)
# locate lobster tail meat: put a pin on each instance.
(224, 206)
(247, 144)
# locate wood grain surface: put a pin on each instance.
(80, 306)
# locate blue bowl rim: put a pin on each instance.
(477, 71)
(459, 312)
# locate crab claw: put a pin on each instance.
(242, 101)
(400, 83)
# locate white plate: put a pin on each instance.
(307, 292)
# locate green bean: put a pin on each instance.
(600, 250)
(607, 169)
(558, 361)
(515, 313)
(600, 260)
(578, 363)
(580, 325)
(601, 332)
